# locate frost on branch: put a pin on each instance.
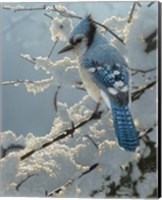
(38, 86)
(64, 11)
(9, 142)
(116, 22)
(18, 7)
(64, 71)
(81, 147)
(60, 28)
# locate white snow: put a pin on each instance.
(60, 28)
(8, 138)
(38, 86)
(144, 23)
(64, 11)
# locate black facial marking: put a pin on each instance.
(91, 32)
(72, 42)
(78, 40)
(75, 42)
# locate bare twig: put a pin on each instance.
(11, 147)
(138, 92)
(110, 31)
(135, 71)
(46, 193)
(151, 36)
(131, 12)
(53, 47)
(91, 168)
(138, 3)
(29, 59)
(150, 4)
(93, 142)
(55, 97)
(151, 42)
(2, 152)
(56, 191)
(18, 185)
(145, 132)
(49, 16)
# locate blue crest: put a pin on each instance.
(86, 27)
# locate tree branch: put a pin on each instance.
(145, 132)
(135, 71)
(91, 168)
(19, 185)
(53, 47)
(93, 142)
(95, 115)
(15, 83)
(131, 12)
(56, 191)
(49, 16)
(150, 37)
(22, 8)
(28, 58)
(55, 97)
(138, 92)
(65, 14)
(62, 13)
(110, 31)
(150, 4)
(151, 42)
(12, 146)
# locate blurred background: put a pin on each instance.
(27, 32)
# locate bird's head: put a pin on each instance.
(81, 37)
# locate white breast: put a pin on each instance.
(90, 85)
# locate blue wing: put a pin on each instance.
(113, 81)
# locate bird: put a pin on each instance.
(105, 75)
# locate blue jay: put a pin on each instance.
(104, 73)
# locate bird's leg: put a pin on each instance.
(96, 113)
(97, 107)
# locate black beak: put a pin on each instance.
(66, 48)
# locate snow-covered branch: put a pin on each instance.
(68, 132)
(63, 12)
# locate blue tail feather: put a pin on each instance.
(124, 127)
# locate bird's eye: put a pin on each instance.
(78, 40)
